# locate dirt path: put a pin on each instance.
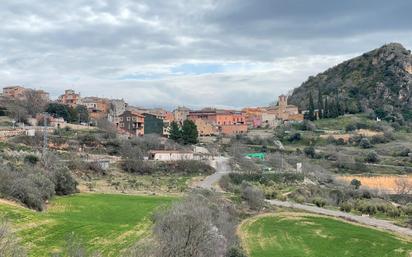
(382, 224)
(222, 168)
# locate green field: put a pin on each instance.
(107, 223)
(294, 235)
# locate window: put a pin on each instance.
(128, 118)
(122, 125)
(121, 119)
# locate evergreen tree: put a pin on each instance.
(339, 110)
(175, 133)
(320, 105)
(311, 113)
(189, 132)
(326, 109)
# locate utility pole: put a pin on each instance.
(45, 135)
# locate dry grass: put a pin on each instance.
(382, 183)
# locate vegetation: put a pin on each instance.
(201, 225)
(35, 183)
(359, 85)
(104, 223)
(292, 234)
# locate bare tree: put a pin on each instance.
(9, 244)
(403, 186)
(34, 102)
(201, 225)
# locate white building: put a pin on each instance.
(170, 155)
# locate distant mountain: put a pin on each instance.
(380, 80)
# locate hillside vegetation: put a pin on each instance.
(379, 80)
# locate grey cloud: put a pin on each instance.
(90, 45)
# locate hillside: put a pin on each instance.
(380, 80)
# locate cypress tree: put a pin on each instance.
(311, 113)
(326, 113)
(320, 105)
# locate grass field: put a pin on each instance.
(107, 223)
(304, 235)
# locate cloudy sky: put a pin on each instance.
(224, 53)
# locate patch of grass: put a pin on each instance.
(290, 235)
(341, 122)
(107, 223)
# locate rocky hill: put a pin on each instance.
(380, 80)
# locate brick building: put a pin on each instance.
(227, 122)
(70, 98)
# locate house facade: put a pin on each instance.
(132, 123)
(170, 155)
(70, 98)
(227, 122)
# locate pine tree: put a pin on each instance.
(320, 105)
(175, 133)
(189, 132)
(311, 113)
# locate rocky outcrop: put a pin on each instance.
(379, 79)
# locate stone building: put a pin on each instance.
(132, 123)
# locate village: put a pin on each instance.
(132, 121)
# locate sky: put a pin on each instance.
(197, 53)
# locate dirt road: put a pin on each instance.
(221, 164)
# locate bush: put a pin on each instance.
(356, 183)
(31, 159)
(365, 143)
(346, 207)
(64, 183)
(319, 202)
(235, 252)
(310, 151)
(253, 196)
(295, 137)
(372, 156)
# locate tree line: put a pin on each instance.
(331, 107)
(186, 134)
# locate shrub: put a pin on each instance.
(372, 156)
(64, 183)
(310, 151)
(319, 202)
(365, 143)
(235, 252)
(31, 159)
(253, 196)
(356, 183)
(346, 207)
(295, 137)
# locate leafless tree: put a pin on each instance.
(403, 186)
(34, 102)
(9, 244)
(253, 196)
(201, 225)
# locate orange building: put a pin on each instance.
(16, 92)
(227, 122)
(70, 98)
(97, 107)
